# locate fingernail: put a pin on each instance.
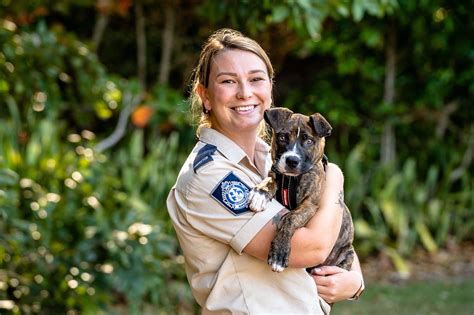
(316, 270)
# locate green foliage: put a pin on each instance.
(404, 210)
(171, 112)
(415, 201)
(81, 230)
(431, 77)
(48, 73)
(304, 16)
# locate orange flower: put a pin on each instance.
(142, 115)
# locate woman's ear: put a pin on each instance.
(202, 92)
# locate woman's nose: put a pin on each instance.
(245, 91)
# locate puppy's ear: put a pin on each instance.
(320, 125)
(275, 116)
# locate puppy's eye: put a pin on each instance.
(307, 140)
(282, 138)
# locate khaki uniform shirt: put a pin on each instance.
(208, 207)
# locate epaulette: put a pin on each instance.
(204, 156)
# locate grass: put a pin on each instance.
(418, 298)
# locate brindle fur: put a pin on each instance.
(284, 121)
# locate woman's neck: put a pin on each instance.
(245, 140)
(248, 145)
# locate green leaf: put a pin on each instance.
(363, 229)
(280, 13)
(400, 264)
(357, 10)
(8, 177)
(426, 237)
(137, 146)
(4, 86)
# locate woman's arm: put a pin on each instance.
(311, 244)
(337, 284)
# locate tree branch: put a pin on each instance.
(388, 145)
(443, 121)
(131, 102)
(99, 29)
(141, 44)
(466, 160)
(167, 46)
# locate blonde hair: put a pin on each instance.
(221, 40)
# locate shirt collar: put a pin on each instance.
(227, 147)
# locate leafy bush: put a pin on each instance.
(80, 230)
(46, 73)
(397, 211)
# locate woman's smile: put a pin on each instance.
(244, 109)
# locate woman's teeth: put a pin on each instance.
(244, 108)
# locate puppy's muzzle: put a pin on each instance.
(292, 162)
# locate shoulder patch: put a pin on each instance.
(204, 156)
(232, 193)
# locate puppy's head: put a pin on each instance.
(298, 140)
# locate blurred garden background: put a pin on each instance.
(94, 126)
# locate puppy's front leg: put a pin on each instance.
(261, 194)
(280, 247)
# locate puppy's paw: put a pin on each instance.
(258, 199)
(278, 256)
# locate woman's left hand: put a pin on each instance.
(336, 284)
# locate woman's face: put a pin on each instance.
(238, 93)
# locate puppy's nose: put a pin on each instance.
(292, 161)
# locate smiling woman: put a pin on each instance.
(238, 93)
(225, 245)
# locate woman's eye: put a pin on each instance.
(257, 79)
(228, 81)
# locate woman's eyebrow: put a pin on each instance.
(235, 74)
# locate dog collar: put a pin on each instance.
(287, 190)
(288, 187)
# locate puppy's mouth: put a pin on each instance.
(281, 167)
(294, 172)
(291, 173)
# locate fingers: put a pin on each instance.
(336, 284)
(326, 270)
(327, 293)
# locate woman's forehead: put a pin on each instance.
(237, 61)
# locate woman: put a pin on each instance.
(225, 245)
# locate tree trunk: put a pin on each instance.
(99, 29)
(167, 45)
(141, 44)
(388, 140)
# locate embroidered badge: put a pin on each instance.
(232, 193)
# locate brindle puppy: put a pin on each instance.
(297, 150)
